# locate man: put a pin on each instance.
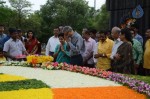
(89, 49)
(52, 43)
(117, 42)
(2, 37)
(93, 33)
(76, 45)
(147, 53)
(104, 48)
(13, 47)
(137, 52)
(20, 37)
(136, 35)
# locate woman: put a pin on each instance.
(123, 60)
(147, 53)
(61, 51)
(32, 44)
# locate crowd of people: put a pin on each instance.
(121, 50)
(14, 46)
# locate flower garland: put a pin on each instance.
(35, 59)
(134, 84)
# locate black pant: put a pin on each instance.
(76, 60)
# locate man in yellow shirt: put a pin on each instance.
(147, 53)
(104, 49)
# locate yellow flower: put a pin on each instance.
(39, 59)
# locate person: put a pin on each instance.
(32, 44)
(147, 53)
(103, 51)
(93, 33)
(2, 58)
(61, 53)
(89, 49)
(117, 42)
(76, 45)
(123, 59)
(13, 47)
(137, 53)
(60, 29)
(20, 37)
(136, 35)
(52, 43)
(3, 38)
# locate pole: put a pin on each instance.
(95, 4)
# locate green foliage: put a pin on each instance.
(63, 12)
(7, 16)
(142, 78)
(22, 84)
(101, 19)
(54, 13)
(22, 7)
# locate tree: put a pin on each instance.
(64, 12)
(22, 8)
(101, 20)
(7, 16)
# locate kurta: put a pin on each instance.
(104, 48)
(62, 57)
(147, 55)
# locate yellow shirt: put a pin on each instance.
(147, 55)
(2, 59)
(104, 48)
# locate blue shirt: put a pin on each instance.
(2, 40)
(139, 38)
(76, 44)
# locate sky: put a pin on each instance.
(37, 3)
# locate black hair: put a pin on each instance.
(103, 32)
(19, 31)
(87, 32)
(131, 29)
(93, 31)
(12, 30)
(2, 25)
(61, 35)
(127, 34)
(135, 26)
(28, 34)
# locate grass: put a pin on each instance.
(142, 78)
(23, 84)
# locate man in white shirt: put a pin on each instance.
(13, 47)
(117, 42)
(52, 43)
(89, 49)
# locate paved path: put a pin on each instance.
(57, 78)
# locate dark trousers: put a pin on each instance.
(89, 65)
(76, 60)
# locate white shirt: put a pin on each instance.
(89, 49)
(95, 52)
(117, 43)
(51, 45)
(14, 48)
